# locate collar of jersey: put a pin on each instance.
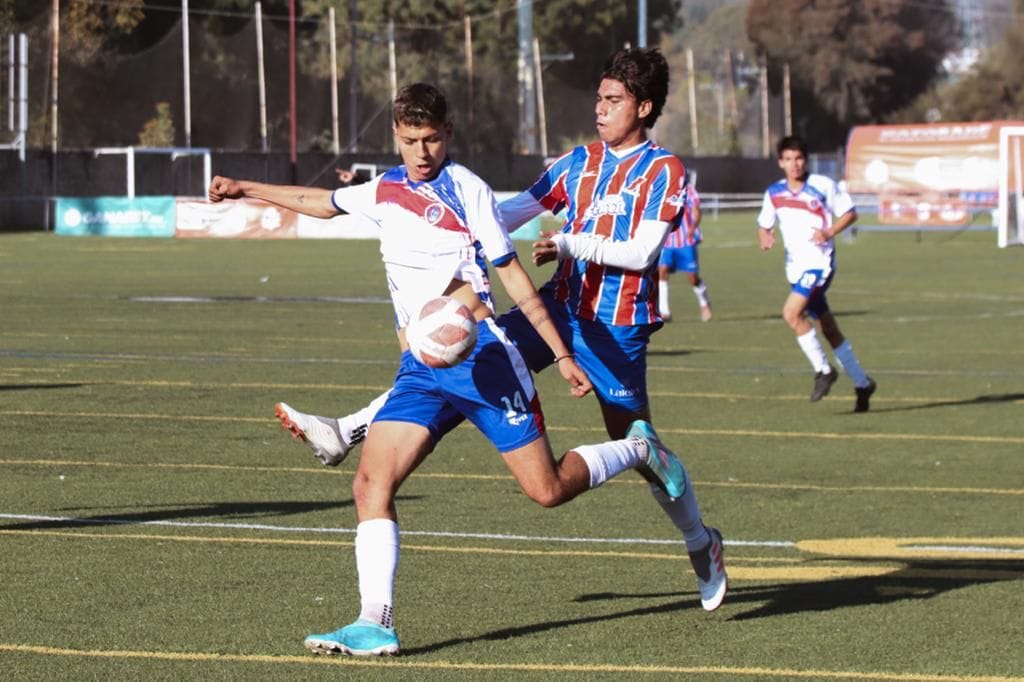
(627, 152)
(416, 184)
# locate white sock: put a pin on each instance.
(685, 514)
(812, 349)
(377, 549)
(846, 358)
(663, 305)
(353, 426)
(701, 292)
(607, 460)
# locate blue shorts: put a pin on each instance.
(614, 357)
(682, 259)
(492, 388)
(814, 285)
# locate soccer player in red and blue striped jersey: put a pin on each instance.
(619, 197)
(680, 253)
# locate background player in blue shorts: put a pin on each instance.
(437, 223)
(680, 254)
(619, 196)
(803, 204)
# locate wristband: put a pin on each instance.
(563, 357)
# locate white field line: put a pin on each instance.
(505, 537)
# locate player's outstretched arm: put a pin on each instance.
(520, 288)
(311, 201)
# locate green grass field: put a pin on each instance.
(157, 524)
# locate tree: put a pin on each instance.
(852, 61)
(993, 90)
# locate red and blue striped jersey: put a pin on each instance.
(608, 196)
(679, 236)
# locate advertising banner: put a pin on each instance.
(239, 219)
(927, 173)
(150, 216)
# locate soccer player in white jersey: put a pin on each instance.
(619, 196)
(810, 211)
(438, 221)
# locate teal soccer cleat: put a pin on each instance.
(361, 638)
(665, 466)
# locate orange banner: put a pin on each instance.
(929, 157)
(242, 219)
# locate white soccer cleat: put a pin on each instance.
(320, 433)
(709, 565)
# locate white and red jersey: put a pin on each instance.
(799, 215)
(431, 233)
(680, 235)
(608, 196)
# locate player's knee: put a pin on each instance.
(369, 490)
(545, 495)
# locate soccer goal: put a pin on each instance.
(1011, 187)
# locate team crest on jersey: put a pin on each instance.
(610, 205)
(814, 204)
(434, 213)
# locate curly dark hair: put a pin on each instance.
(420, 104)
(644, 73)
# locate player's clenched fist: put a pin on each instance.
(224, 188)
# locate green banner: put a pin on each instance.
(116, 216)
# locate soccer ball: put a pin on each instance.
(443, 334)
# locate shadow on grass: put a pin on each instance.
(721, 318)
(917, 580)
(921, 579)
(34, 387)
(534, 628)
(670, 353)
(224, 510)
(979, 400)
(914, 581)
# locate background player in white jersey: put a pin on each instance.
(803, 205)
(437, 222)
(619, 197)
(680, 254)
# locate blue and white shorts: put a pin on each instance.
(813, 285)
(492, 388)
(614, 357)
(681, 259)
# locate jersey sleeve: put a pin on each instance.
(667, 195)
(549, 190)
(766, 219)
(518, 210)
(841, 202)
(358, 199)
(484, 221)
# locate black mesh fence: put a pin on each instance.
(119, 96)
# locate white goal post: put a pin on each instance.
(174, 152)
(1010, 212)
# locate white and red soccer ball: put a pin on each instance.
(443, 334)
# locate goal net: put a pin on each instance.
(1010, 219)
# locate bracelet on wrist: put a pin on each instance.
(563, 357)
